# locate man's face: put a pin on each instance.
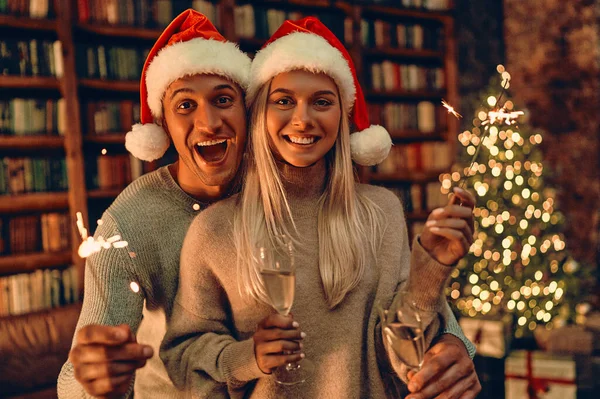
(205, 116)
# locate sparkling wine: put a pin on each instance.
(398, 334)
(280, 289)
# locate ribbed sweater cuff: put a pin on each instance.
(427, 279)
(239, 361)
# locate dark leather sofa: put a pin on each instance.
(33, 348)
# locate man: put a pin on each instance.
(192, 84)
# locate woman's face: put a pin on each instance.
(303, 117)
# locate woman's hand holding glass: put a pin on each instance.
(448, 232)
(277, 342)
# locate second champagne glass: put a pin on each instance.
(278, 271)
(402, 327)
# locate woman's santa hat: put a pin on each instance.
(308, 45)
(190, 45)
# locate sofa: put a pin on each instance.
(33, 348)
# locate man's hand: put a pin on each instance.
(277, 341)
(105, 359)
(447, 372)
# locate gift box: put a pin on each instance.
(539, 375)
(488, 335)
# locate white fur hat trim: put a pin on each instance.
(193, 57)
(147, 142)
(370, 146)
(301, 51)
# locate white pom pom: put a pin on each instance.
(370, 146)
(147, 142)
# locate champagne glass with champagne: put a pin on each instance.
(402, 328)
(278, 272)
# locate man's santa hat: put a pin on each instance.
(308, 45)
(190, 45)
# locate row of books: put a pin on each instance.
(261, 22)
(437, 5)
(47, 232)
(423, 116)
(113, 171)
(28, 175)
(42, 289)
(417, 157)
(31, 57)
(111, 116)
(115, 63)
(417, 198)
(379, 33)
(389, 76)
(142, 13)
(27, 8)
(30, 116)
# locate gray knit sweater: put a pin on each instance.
(208, 348)
(152, 214)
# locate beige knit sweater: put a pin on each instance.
(208, 349)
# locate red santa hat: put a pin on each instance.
(190, 45)
(308, 45)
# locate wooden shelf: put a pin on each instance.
(108, 138)
(41, 202)
(120, 31)
(407, 13)
(110, 85)
(406, 177)
(44, 25)
(29, 82)
(104, 193)
(398, 94)
(390, 52)
(31, 142)
(412, 136)
(23, 263)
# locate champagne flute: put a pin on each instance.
(278, 271)
(402, 327)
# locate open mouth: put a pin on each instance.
(302, 140)
(212, 150)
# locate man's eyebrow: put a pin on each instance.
(182, 90)
(224, 86)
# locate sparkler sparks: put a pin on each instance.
(451, 109)
(90, 246)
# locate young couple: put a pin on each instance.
(220, 336)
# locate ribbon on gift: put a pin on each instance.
(537, 385)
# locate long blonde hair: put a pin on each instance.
(349, 224)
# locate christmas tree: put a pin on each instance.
(518, 264)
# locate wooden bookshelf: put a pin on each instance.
(29, 82)
(23, 263)
(32, 142)
(108, 138)
(80, 148)
(41, 25)
(34, 202)
(110, 85)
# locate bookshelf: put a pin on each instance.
(86, 94)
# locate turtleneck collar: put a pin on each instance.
(303, 183)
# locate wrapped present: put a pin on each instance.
(489, 336)
(539, 375)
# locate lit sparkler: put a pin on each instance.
(89, 245)
(451, 109)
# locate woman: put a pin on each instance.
(351, 243)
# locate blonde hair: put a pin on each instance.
(349, 224)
